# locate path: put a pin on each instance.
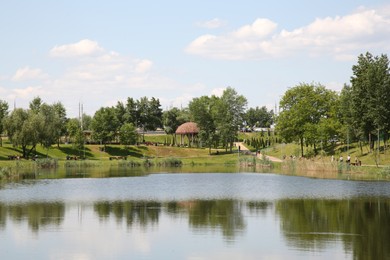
(244, 148)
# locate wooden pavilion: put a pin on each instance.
(189, 130)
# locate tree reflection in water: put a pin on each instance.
(37, 215)
(363, 225)
(142, 213)
(360, 225)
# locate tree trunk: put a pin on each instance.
(301, 139)
(28, 153)
(24, 147)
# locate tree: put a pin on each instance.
(128, 134)
(35, 104)
(120, 112)
(72, 128)
(24, 129)
(259, 117)
(370, 95)
(149, 114)
(303, 108)
(230, 110)
(131, 114)
(203, 111)
(172, 119)
(3, 115)
(105, 124)
(49, 134)
(60, 120)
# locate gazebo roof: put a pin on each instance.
(187, 128)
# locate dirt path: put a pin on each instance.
(244, 148)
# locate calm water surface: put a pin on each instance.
(195, 216)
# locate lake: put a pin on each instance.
(194, 216)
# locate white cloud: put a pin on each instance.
(217, 92)
(143, 66)
(82, 48)
(28, 73)
(212, 24)
(258, 29)
(28, 92)
(341, 37)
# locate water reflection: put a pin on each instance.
(37, 215)
(362, 225)
(142, 213)
(181, 216)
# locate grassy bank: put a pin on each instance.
(166, 156)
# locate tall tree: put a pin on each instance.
(370, 95)
(203, 111)
(105, 125)
(230, 110)
(131, 111)
(60, 121)
(303, 108)
(35, 104)
(24, 128)
(172, 119)
(3, 115)
(259, 117)
(128, 134)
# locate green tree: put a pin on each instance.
(370, 95)
(60, 121)
(203, 111)
(105, 125)
(230, 110)
(259, 117)
(303, 108)
(3, 115)
(172, 119)
(149, 114)
(24, 129)
(128, 134)
(49, 134)
(35, 104)
(131, 114)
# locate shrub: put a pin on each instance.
(171, 162)
(47, 163)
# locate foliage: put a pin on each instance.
(259, 117)
(3, 115)
(172, 119)
(203, 110)
(24, 128)
(128, 134)
(105, 125)
(370, 96)
(170, 162)
(229, 116)
(47, 163)
(307, 115)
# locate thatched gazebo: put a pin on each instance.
(190, 130)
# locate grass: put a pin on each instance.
(167, 156)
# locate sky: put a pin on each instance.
(98, 52)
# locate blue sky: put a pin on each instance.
(101, 52)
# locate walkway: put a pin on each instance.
(244, 148)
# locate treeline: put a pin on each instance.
(315, 116)
(310, 114)
(218, 118)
